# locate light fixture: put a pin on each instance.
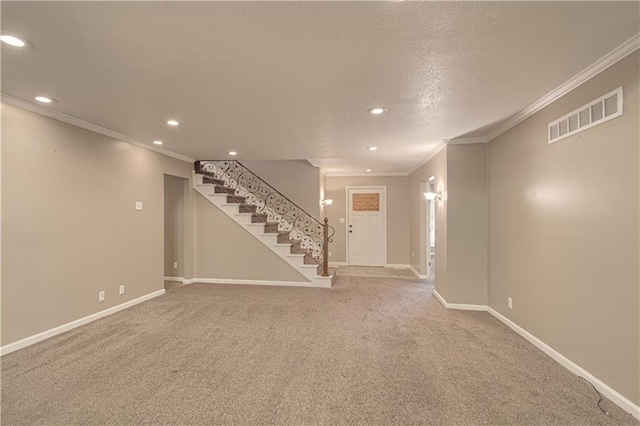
(233, 153)
(326, 202)
(173, 123)
(12, 41)
(433, 196)
(377, 110)
(368, 170)
(372, 148)
(432, 178)
(157, 142)
(45, 100)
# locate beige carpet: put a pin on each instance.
(369, 351)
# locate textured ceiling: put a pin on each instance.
(294, 80)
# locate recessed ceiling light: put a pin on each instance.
(13, 41)
(372, 148)
(45, 100)
(173, 123)
(378, 110)
(233, 153)
(368, 170)
(157, 142)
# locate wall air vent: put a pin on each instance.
(603, 109)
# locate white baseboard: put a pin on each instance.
(174, 278)
(397, 266)
(255, 282)
(336, 264)
(602, 387)
(459, 306)
(417, 274)
(188, 281)
(28, 341)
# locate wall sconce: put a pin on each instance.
(327, 202)
(433, 196)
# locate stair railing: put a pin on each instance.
(304, 229)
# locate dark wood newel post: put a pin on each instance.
(325, 248)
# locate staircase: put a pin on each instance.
(273, 219)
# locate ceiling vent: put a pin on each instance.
(603, 109)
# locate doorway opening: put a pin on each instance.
(175, 206)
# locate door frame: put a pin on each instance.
(348, 214)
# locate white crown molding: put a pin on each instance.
(429, 156)
(467, 141)
(28, 341)
(366, 174)
(21, 103)
(591, 71)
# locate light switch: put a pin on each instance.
(138, 205)
(342, 220)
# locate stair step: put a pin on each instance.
(245, 208)
(295, 248)
(208, 179)
(235, 199)
(222, 190)
(309, 260)
(259, 218)
(283, 237)
(271, 227)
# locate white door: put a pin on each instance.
(366, 229)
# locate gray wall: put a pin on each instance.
(298, 180)
(563, 232)
(175, 203)
(467, 224)
(69, 224)
(437, 166)
(226, 250)
(397, 214)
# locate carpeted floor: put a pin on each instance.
(368, 351)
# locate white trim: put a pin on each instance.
(604, 389)
(338, 264)
(174, 278)
(21, 103)
(459, 306)
(259, 282)
(397, 265)
(384, 212)
(189, 281)
(360, 174)
(467, 141)
(620, 52)
(429, 156)
(417, 274)
(28, 341)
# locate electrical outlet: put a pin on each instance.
(138, 205)
(101, 296)
(509, 303)
(175, 265)
(121, 291)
